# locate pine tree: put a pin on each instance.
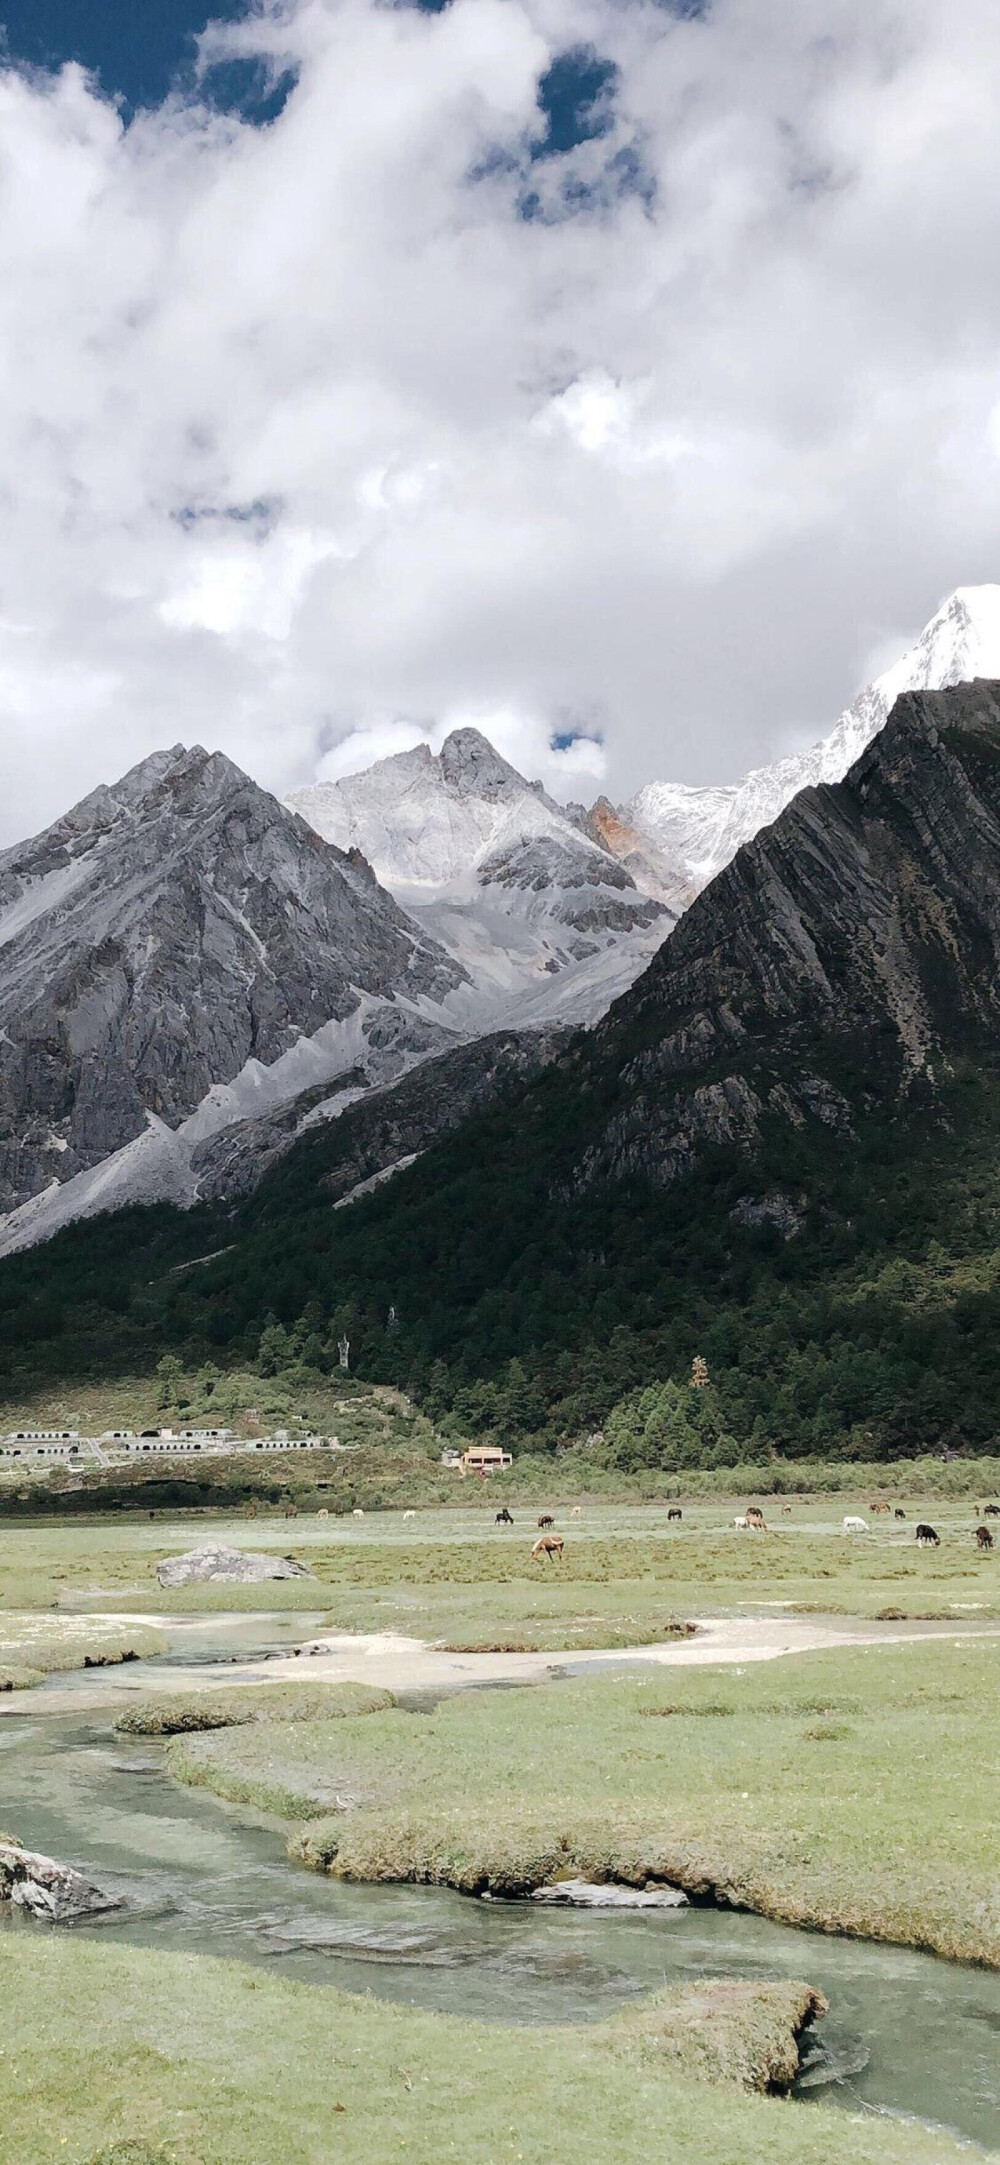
(169, 1372)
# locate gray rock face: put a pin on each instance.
(336, 1155)
(48, 1890)
(161, 935)
(586, 893)
(215, 1562)
(585, 1894)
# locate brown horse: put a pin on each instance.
(548, 1545)
(984, 1538)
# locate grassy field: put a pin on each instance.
(115, 2056)
(855, 1791)
(454, 1578)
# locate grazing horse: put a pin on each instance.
(503, 1518)
(548, 1545)
(786, 1510)
(927, 1537)
(674, 1515)
(984, 1538)
(898, 1514)
(546, 1519)
(875, 1508)
(992, 1511)
(755, 1518)
(322, 1513)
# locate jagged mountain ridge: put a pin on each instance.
(165, 934)
(525, 900)
(676, 839)
(851, 950)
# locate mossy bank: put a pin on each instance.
(854, 1791)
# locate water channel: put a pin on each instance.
(906, 2034)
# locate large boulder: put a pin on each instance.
(48, 1889)
(235, 1567)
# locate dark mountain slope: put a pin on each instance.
(849, 953)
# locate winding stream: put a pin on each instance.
(906, 2033)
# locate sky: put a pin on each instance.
(622, 378)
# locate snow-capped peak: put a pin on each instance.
(695, 832)
(426, 820)
(543, 917)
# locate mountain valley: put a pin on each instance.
(778, 1150)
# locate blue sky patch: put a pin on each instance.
(576, 95)
(140, 50)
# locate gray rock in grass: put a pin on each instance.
(213, 1561)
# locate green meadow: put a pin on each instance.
(856, 1790)
(117, 2056)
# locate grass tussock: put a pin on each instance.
(721, 2030)
(176, 1713)
(754, 1790)
(154, 2058)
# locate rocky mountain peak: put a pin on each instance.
(167, 931)
(473, 768)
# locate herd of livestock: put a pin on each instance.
(550, 1544)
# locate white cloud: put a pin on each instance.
(306, 432)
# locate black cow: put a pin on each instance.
(927, 1537)
(503, 1518)
(984, 1538)
(674, 1515)
(898, 1514)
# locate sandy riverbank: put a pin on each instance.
(405, 1665)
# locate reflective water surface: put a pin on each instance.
(906, 2033)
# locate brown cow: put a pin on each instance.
(984, 1538)
(546, 1519)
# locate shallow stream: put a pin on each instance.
(906, 2033)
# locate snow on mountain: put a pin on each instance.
(688, 835)
(545, 921)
